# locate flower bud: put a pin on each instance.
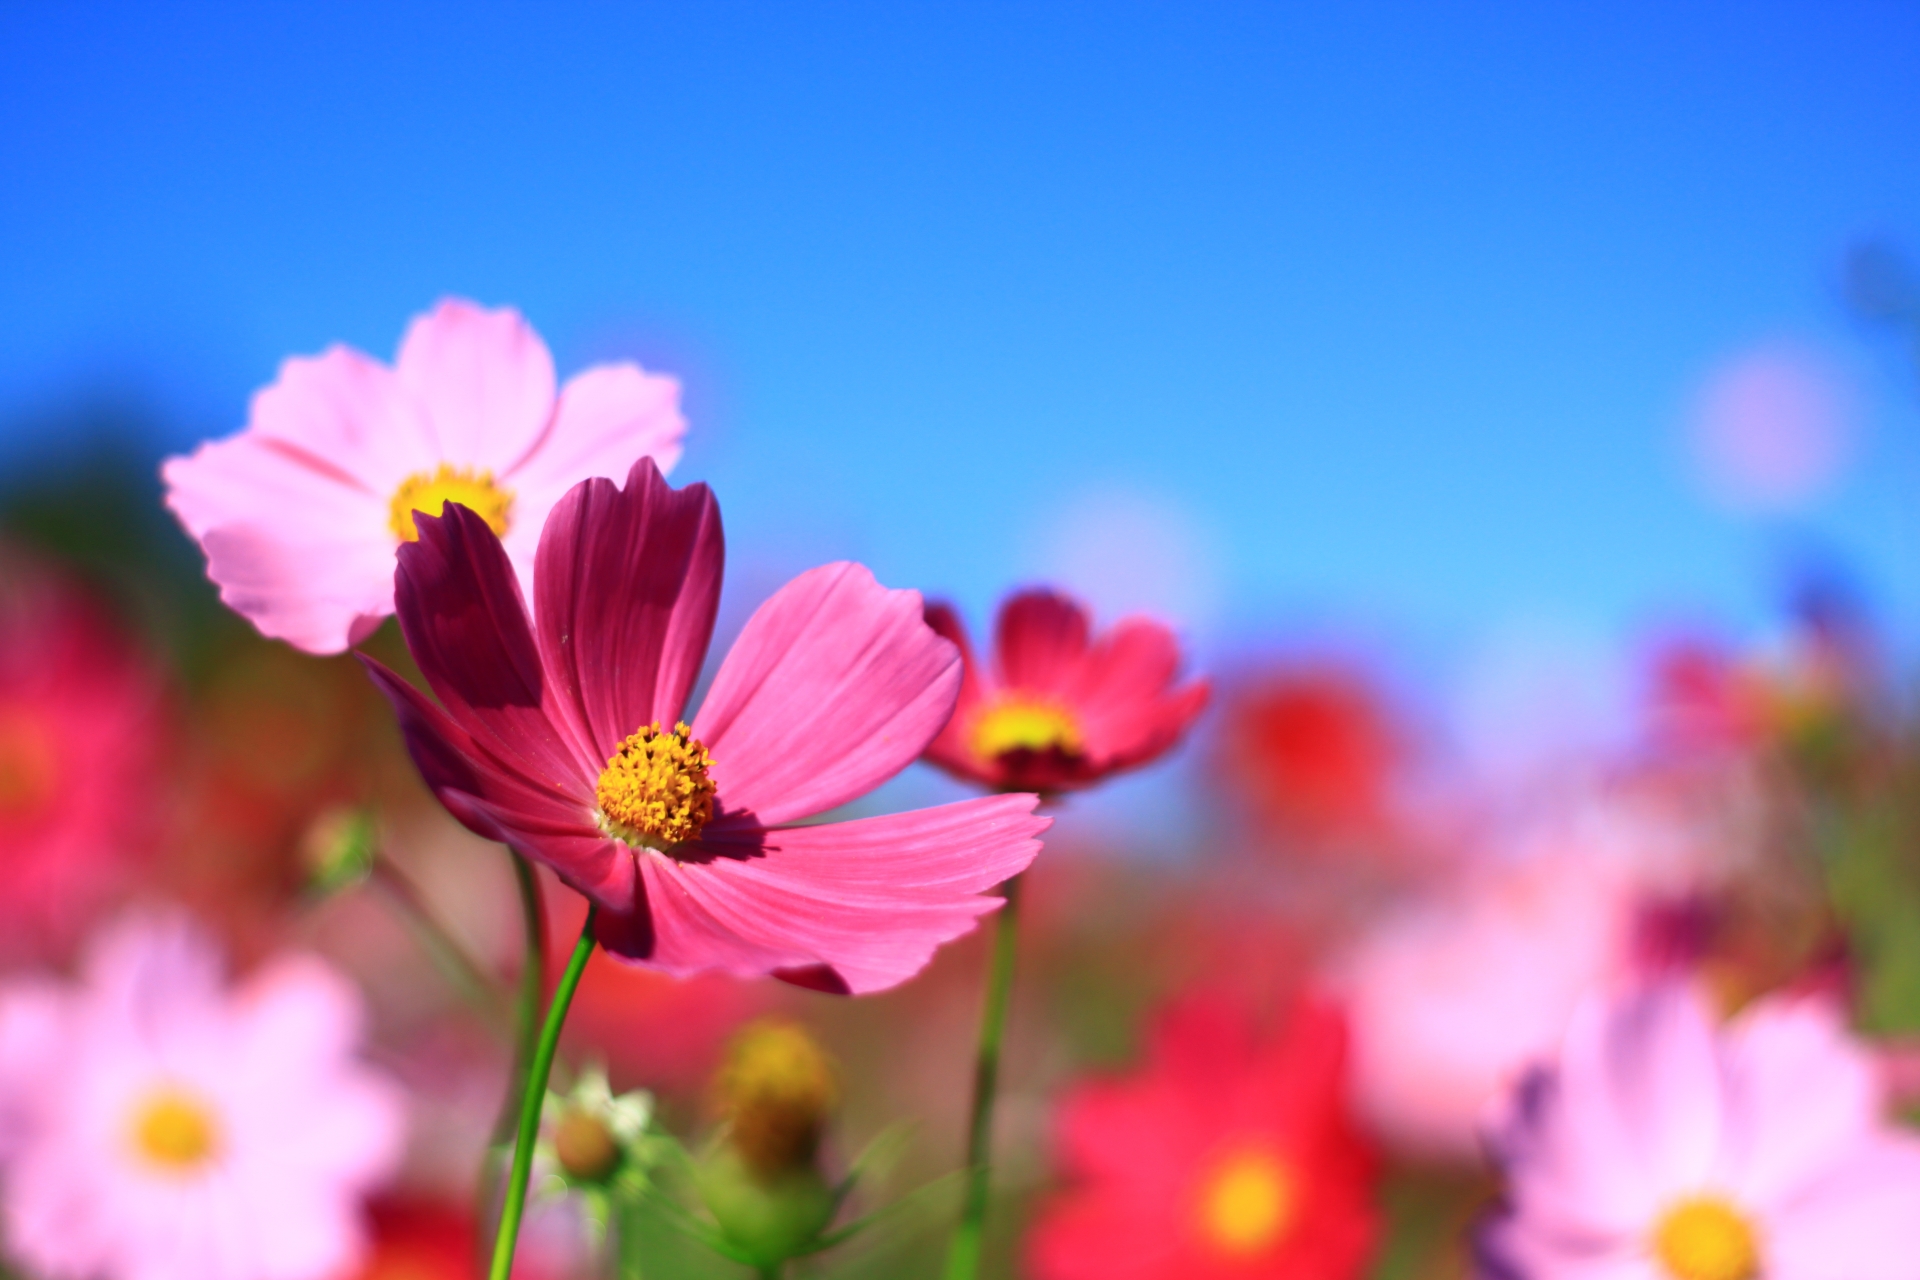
(776, 1092)
(584, 1147)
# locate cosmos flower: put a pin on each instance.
(1060, 709)
(1452, 999)
(1659, 1146)
(1223, 1157)
(176, 1130)
(81, 728)
(1312, 749)
(561, 735)
(299, 514)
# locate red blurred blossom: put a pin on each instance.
(81, 724)
(1059, 708)
(425, 1239)
(1313, 750)
(556, 734)
(1225, 1156)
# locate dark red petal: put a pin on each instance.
(460, 610)
(626, 584)
(1039, 640)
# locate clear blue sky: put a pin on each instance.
(1390, 312)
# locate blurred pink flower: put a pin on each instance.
(1452, 999)
(559, 737)
(171, 1129)
(1658, 1146)
(1060, 709)
(81, 722)
(299, 514)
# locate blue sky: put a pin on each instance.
(1372, 317)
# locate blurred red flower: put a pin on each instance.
(81, 719)
(1313, 750)
(1226, 1156)
(1060, 709)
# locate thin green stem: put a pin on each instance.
(461, 971)
(963, 1255)
(533, 985)
(531, 1097)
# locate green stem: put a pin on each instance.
(963, 1255)
(532, 1095)
(533, 985)
(461, 971)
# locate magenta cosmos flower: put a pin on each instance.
(300, 513)
(1663, 1147)
(167, 1128)
(561, 736)
(82, 731)
(1060, 709)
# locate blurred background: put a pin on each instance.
(1516, 411)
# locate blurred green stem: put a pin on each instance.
(532, 1094)
(473, 983)
(533, 985)
(963, 1255)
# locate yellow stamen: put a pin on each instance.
(430, 495)
(655, 791)
(1017, 724)
(1247, 1204)
(27, 765)
(175, 1130)
(1705, 1238)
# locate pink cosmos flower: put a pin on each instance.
(1660, 1146)
(300, 513)
(1451, 1000)
(81, 729)
(175, 1130)
(1060, 709)
(561, 737)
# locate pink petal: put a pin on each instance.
(1039, 640)
(1121, 694)
(834, 686)
(951, 748)
(628, 583)
(485, 380)
(1858, 1221)
(608, 418)
(869, 900)
(318, 593)
(466, 625)
(1800, 1093)
(1663, 1067)
(492, 797)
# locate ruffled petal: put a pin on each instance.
(491, 796)
(1039, 640)
(627, 587)
(834, 686)
(466, 625)
(868, 901)
(485, 380)
(608, 418)
(317, 591)
(950, 748)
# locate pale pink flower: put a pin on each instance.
(1660, 1146)
(300, 513)
(165, 1127)
(1450, 1000)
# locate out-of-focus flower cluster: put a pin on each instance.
(1647, 1009)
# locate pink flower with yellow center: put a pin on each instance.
(164, 1127)
(81, 729)
(300, 513)
(1225, 1158)
(564, 734)
(1059, 708)
(1662, 1146)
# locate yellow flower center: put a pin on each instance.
(1018, 724)
(430, 494)
(1705, 1238)
(655, 792)
(1247, 1204)
(175, 1130)
(27, 768)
